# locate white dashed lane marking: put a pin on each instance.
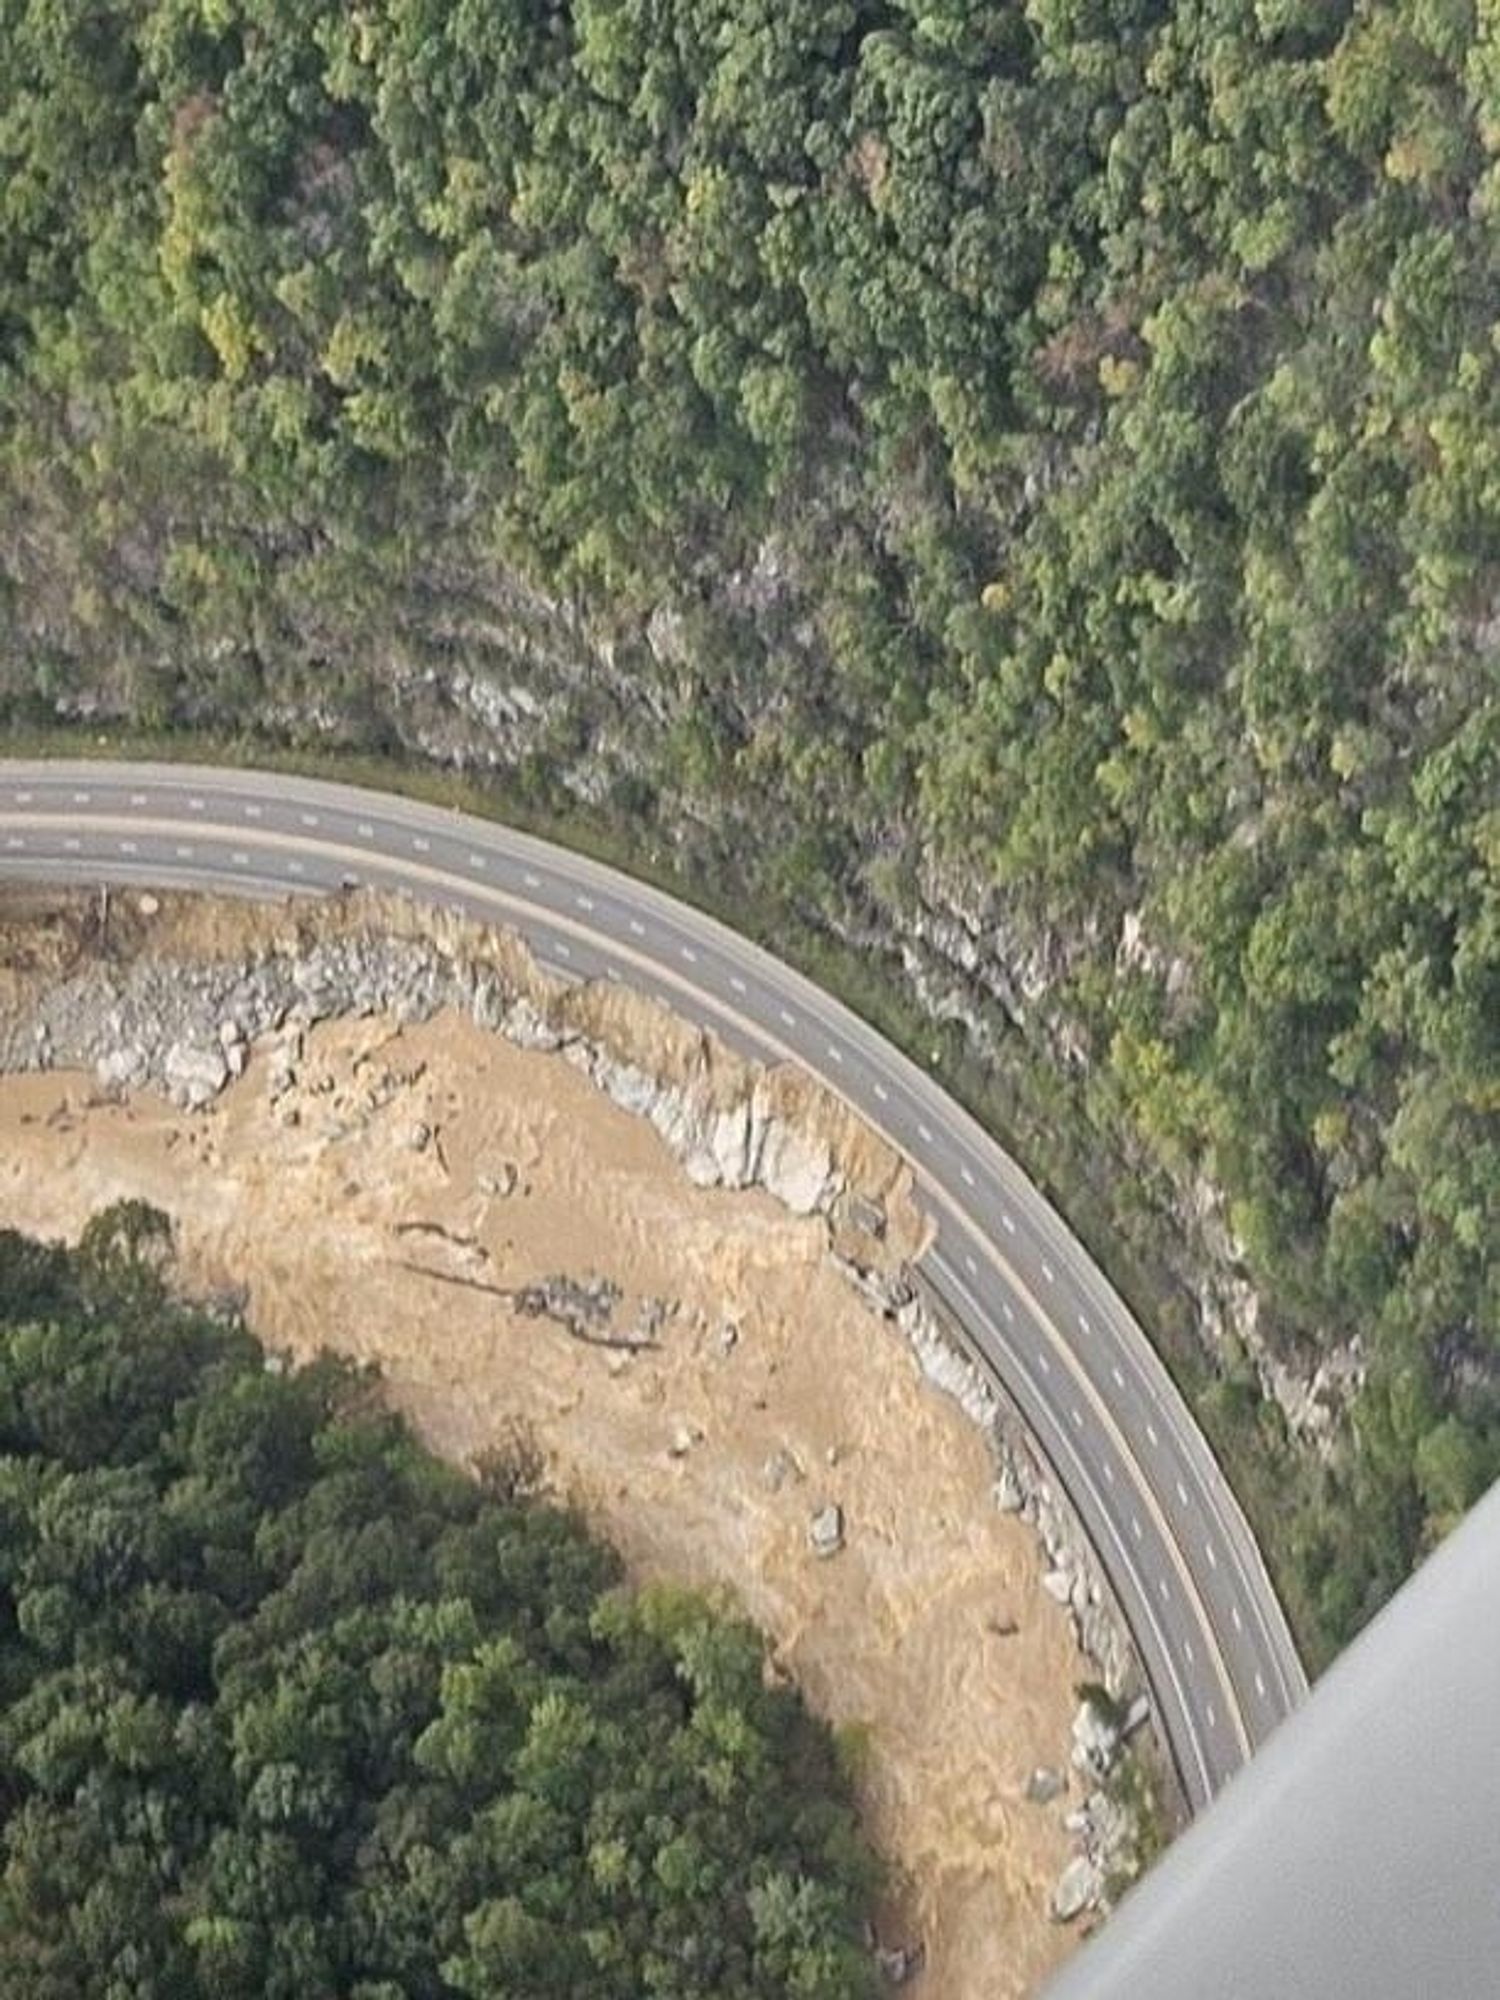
(239, 860)
(365, 830)
(966, 1177)
(924, 1134)
(1042, 1362)
(1049, 1274)
(72, 845)
(1187, 1652)
(971, 1267)
(295, 868)
(81, 798)
(139, 799)
(1163, 1589)
(1109, 1473)
(308, 819)
(1083, 1324)
(1009, 1311)
(1208, 1550)
(882, 1093)
(23, 798)
(195, 805)
(737, 985)
(251, 812)
(129, 847)
(584, 902)
(688, 953)
(1117, 1377)
(1239, 1623)
(637, 928)
(1182, 1494)
(1135, 1526)
(532, 881)
(421, 844)
(1151, 1434)
(561, 949)
(1077, 1415)
(836, 1054)
(1260, 1686)
(183, 853)
(1213, 1716)
(788, 1020)
(478, 861)
(1008, 1224)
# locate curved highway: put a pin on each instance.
(1033, 1306)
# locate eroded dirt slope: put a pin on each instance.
(383, 1204)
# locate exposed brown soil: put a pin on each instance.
(701, 1458)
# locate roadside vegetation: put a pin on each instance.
(287, 1707)
(1053, 448)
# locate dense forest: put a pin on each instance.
(1054, 443)
(289, 1709)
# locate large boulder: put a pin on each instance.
(797, 1169)
(121, 1069)
(195, 1074)
(1077, 1889)
(1096, 1740)
(825, 1531)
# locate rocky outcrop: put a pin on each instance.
(968, 957)
(185, 1028)
(1022, 1483)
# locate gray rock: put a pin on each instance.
(778, 1469)
(1007, 1492)
(525, 1027)
(1136, 1716)
(1044, 1785)
(581, 1305)
(194, 1075)
(419, 1137)
(1076, 1889)
(825, 1531)
(684, 1437)
(795, 1168)
(121, 1069)
(1096, 1741)
(729, 1143)
(631, 1088)
(1058, 1585)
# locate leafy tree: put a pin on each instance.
(286, 1707)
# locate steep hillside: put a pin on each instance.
(1017, 488)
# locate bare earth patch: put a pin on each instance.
(767, 1391)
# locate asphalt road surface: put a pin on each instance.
(1032, 1304)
